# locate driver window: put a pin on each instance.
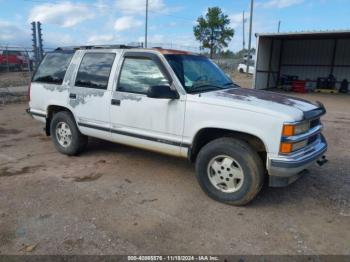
(138, 74)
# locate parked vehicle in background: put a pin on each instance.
(182, 104)
(243, 68)
(14, 60)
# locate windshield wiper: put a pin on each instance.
(231, 84)
(210, 87)
(205, 88)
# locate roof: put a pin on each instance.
(88, 47)
(308, 34)
(159, 49)
(171, 51)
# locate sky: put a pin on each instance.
(82, 22)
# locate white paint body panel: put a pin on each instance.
(155, 118)
(162, 120)
(253, 116)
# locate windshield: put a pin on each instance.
(198, 74)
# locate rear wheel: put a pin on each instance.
(230, 171)
(65, 134)
(241, 71)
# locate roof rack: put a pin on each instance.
(89, 47)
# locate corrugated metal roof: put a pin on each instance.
(307, 34)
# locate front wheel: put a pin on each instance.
(65, 134)
(230, 171)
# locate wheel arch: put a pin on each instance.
(206, 135)
(50, 111)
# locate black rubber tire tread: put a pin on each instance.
(79, 141)
(248, 159)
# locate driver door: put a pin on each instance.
(141, 121)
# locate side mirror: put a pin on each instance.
(162, 92)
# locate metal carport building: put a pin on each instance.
(307, 55)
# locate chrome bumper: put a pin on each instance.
(289, 168)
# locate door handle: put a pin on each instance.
(73, 96)
(115, 102)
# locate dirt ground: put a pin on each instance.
(115, 199)
(242, 80)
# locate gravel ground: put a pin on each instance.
(243, 80)
(115, 199)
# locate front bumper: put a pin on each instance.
(284, 170)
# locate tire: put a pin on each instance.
(241, 71)
(78, 141)
(245, 176)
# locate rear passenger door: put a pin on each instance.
(90, 94)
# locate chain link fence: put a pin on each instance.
(15, 59)
(16, 65)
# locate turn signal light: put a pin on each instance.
(288, 130)
(286, 148)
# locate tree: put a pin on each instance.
(227, 54)
(213, 30)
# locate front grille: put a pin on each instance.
(312, 139)
(315, 122)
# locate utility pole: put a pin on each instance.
(35, 44)
(243, 30)
(40, 42)
(146, 24)
(250, 33)
(279, 26)
(37, 38)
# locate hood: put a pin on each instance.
(261, 101)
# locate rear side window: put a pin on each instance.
(94, 70)
(53, 68)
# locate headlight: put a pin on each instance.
(302, 128)
(297, 129)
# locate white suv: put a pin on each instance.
(181, 104)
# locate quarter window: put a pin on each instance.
(94, 70)
(138, 74)
(53, 68)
